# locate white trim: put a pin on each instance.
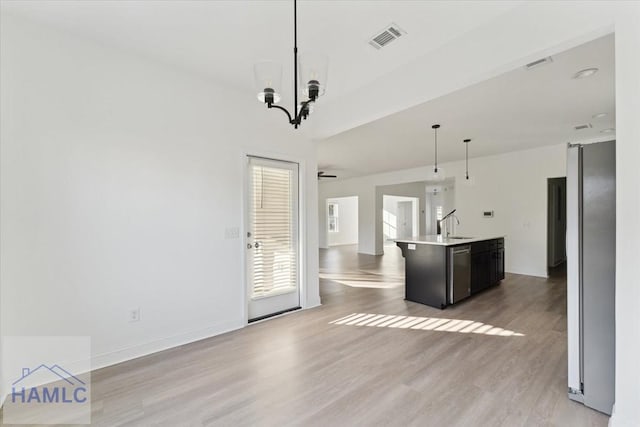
(313, 304)
(127, 354)
(133, 352)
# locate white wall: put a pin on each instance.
(627, 406)
(365, 220)
(119, 178)
(3, 388)
(347, 233)
(514, 185)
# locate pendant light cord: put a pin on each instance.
(435, 130)
(467, 159)
(436, 161)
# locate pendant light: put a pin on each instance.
(466, 157)
(309, 70)
(467, 180)
(438, 174)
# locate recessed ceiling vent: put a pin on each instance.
(538, 63)
(580, 127)
(386, 36)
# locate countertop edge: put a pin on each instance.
(447, 243)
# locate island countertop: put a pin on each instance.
(445, 241)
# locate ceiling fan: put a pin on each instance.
(322, 174)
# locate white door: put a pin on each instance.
(272, 237)
(405, 219)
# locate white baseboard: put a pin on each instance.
(540, 274)
(313, 303)
(134, 352)
(371, 253)
(129, 353)
(613, 413)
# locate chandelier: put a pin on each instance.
(309, 72)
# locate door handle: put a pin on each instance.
(249, 246)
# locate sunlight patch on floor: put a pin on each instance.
(424, 324)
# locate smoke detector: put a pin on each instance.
(390, 33)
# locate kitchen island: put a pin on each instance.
(441, 271)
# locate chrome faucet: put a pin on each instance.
(443, 220)
(452, 217)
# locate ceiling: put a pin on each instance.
(223, 39)
(517, 110)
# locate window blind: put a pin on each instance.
(273, 225)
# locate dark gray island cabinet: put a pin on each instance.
(441, 271)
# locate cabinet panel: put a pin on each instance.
(500, 262)
(487, 264)
(480, 271)
(493, 267)
(425, 274)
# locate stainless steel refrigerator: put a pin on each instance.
(591, 246)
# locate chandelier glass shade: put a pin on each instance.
(312, 74)
(268, 81)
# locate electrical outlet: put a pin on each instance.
(134, 315)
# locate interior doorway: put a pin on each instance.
(556, 223)
(400, 217)
(440, 200)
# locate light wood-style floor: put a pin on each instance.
(301, 369)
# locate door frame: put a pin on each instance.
(302, 224)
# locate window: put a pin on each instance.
(333, 218)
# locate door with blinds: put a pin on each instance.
(272, 238)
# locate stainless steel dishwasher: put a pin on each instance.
(459, 273)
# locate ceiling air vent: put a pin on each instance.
(386, 36)
(580, 127)
(538, 63)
